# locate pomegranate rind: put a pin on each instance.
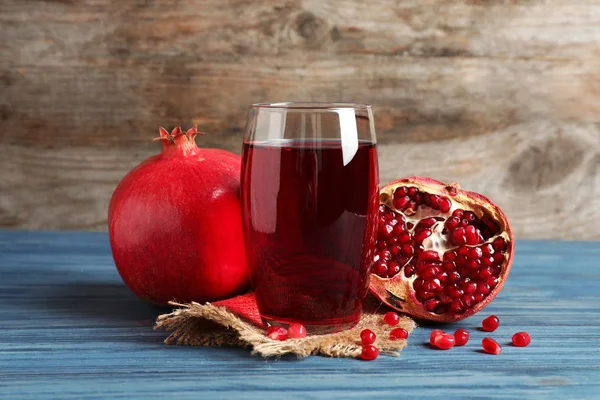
(397, 292)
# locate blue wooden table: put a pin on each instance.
(71, 330)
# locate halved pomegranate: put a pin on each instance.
(442, 253)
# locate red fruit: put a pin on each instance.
(369, 352)
(296, 331)
(457, 250)
(398, 333)
(461, 336)
(391, 318)
(490, 324)
(444, 341)
(367, 337)
(175, 224)
(490, 346)
(277, 333)
(521, 339)
(434, 333)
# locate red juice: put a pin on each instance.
(310, 225)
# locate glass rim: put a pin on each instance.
(301, 105)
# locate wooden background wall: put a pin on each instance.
(503, 96)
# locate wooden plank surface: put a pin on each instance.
(71, 330)
(503, 96)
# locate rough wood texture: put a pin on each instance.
(72, 330)
(83, 85)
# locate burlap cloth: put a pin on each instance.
(236, 323)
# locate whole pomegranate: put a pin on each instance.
(175, 224)
(442, 253)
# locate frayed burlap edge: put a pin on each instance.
(187, 326)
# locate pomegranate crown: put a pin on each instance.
(177, 135)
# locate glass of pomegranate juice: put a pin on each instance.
(310, 198)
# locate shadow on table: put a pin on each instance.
(101, 301)
(77, 295)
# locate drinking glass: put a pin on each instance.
(309, 204)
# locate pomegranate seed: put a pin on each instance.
(434, 333)
(432, 285)
(418, 285)
(458, 213)
(499, 244)
(401, 202)
(490, 324)
(442, 277)
(369, 353)
(452, 223)
(458, 237)
(430, 272)
(478, 297)
(380, 268)
(404, 237)
(444, 341)
(473, 264)
(421, 235)
(490, 346)
(429, 255)
(468, 300)
(296, 330)
(472, 235)
(483, 288)
(398, 333)
(450, 256)
(395, 250)
(469, 216)
(464, 223)
(448, 266)
(401, 191)
(521, 339)
(457, 306)
(498, 258)
(391, 318)
(461, 337)
(412, 191)
(384, 255)
(487, 249)
(444, 205)
(407, 250)
(392, 240)
(393, 268)
(409, 271)
(485, 273)
(454, 292)
(453, 276)
(470, 287)
(277, 333)
(422, 296)
(474, 253)
(487, 261)
(385, 230)
(426, 223)
(398, 229)
(431, 304)
(367, 336)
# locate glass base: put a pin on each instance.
(321, 327)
